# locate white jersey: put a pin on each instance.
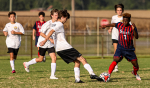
(46, 29)
(13, 40)
(60, 40)
(115, 32)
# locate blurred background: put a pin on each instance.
(82, 29)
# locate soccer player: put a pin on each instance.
(49, 46)
(125, 44)
(13, 31)
(119, 9)
(65, 50)
(37, 28)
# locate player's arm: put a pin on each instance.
(33, 34)
(108, 25)
(135, 31)
(110, 29)
(43, 35)
(47, 37)
(5, 33)
(16, 33)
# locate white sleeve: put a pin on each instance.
(5, 29)
(112, 20)
(21, 29)
(45, 27)
(56, 28)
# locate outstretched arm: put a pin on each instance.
(108, 25)
(135, 31)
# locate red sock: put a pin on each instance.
(38, 54)
(112, 66)
(135, 70)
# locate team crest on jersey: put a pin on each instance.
(15, 27)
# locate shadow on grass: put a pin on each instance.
(73, 76)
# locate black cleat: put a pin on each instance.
(78, 81)
(94, 77)
(100, 79)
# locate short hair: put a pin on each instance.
(63, 13)
(42, 13)
(54, 11)
(127, 15)
(11, 13)
(119, 6)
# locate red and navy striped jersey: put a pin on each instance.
(125, 39)
(37, 26)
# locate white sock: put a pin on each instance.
(53, 69)
(89, 69)
(77, 73)
(33, 61)
(12, 64)
(116, 67)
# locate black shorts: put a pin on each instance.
(12, 50)
(114, 41)
(42, 51)
(69, 55)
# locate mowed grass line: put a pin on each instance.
(39, 75)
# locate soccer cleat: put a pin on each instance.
(94, 77)
(26, 67)
(13, 71)
(115, 70)
(78, 81)
(137, 76)
(44, 59)
(53, 77)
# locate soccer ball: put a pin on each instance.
(105, 76)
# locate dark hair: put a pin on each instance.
(11, 13)
(119, 6)
(54, 11)
(127, 15)
(63, 13)
(42, 13)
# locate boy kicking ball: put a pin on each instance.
(13, 31)
(125, 44)
(65, 50)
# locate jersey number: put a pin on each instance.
(125, 37)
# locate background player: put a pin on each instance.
(65, 50)
(119, 9)
(13, 31)
(49, 46)
(37, 28)
(125, 44)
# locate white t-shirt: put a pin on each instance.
(13, 40)
(60, 40)
(115, 32)
(46, 28)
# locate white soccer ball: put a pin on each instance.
(105, 76)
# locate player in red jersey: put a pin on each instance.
(125, 44)
(37, 27)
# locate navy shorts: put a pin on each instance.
(128, 54)
(36, 40)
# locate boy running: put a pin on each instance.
(37, 28)
(49, 46)
(65, 50)
(125, 44)
(13, 31)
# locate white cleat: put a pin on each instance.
(115, 70)
(53, 77)
(44, 59)
(137, 76)
(26, 67)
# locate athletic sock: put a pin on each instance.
(38, 54)
(116, 67)
(53, 69)
(12, 64)
(33, 61)
(77, 73)
(135, 70)
(112, 66)
(89, 69)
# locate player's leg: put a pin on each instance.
(11, 53)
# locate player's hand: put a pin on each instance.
(103, 26)
(52, 41)
(42, 43)
(33, 37)
(12, 32)
(133, 26)
(109, 31)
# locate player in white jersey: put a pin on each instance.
(49, 45)
(65, 50)
(13, 31)
(119, 9)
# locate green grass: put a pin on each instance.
(38, 77)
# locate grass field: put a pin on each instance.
(40, 72)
